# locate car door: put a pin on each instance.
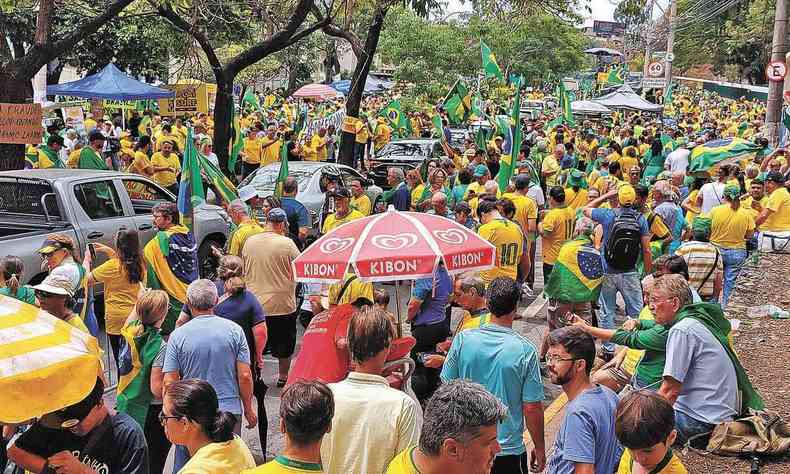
(99, 211)
(144, 195)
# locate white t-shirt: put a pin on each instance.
(536, 193)
(712, 195)
(678, 160)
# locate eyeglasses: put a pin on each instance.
(554, 359)
(163, 418)
(41, 295)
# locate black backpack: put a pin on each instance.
(625, 241)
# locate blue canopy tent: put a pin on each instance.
(110, 83)
(372, 85)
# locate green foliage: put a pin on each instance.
(432, 56)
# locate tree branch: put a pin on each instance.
(274, 43)
(195, 32)
(353, 40)
(39, 55)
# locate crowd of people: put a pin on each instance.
(608, 208)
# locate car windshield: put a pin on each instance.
(266, 179)
(402, 149)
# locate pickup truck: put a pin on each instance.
(90, 206)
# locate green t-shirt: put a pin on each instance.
(90, 160)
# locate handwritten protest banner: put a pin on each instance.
(20, 123)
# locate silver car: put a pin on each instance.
(312, 177)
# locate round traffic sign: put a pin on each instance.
(655, 69)
(776, 71)
(670, 57)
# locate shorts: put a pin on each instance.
(282, 335)
(556, 311)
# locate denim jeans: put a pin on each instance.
(687, 427)
(628, 285)
(733, 260)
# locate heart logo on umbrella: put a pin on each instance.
(394, 242)
(450, 236)
(335, 244)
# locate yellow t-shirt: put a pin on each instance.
(550, 165)
(779, 203)
(245, 230)
(283, 465)
(356, 289)
(271, 153)
(74, 158)
(746, 203)
(120, 295)
(674, 466)
(166, 178)
(509, 242)
(252, 151)
(557, 228)
(633, 356)
(728, 227)
(140, 163)
(526, 209)
(656, 225)
(626, 163)
(470, 322)
(332, 221)
(692, 201)
(578, 200)
(382, 137)
(89, 124)
(403, 463)
(77, 322)
(318, 145)
(361, 204)
(220, 458)
(362, 131)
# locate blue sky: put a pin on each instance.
(601, 9)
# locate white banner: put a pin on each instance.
(335, 119)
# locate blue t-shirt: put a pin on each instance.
(606, 218)
(434, 294)
(506, 364)
(293, 207)
(587, 434)
(208, 348)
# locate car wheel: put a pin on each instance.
(207, 261)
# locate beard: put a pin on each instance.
(559, 379)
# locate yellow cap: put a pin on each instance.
(626, 195)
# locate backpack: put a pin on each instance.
(625, 241)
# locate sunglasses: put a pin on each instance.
(42, 295)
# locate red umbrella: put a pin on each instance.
(394, 246)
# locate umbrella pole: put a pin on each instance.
(397, 309)
(123, 117)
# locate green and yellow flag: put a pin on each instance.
(617, 75)
(565, 104)
(144, 125)
(283, 174)
(458, 103)
(706, 156)
(577, 273)
(397, 119)
(512, 141)
(236, 140)
(134, 369)
(250, 99)
(490, 66)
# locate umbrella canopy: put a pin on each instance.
(718, 152)
(625, 98)
(589, 107)
(110, 83)
(45, 363)
(603, 52)
(315, 91)
(394, 246)
(372, 85)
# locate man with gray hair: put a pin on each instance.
(213, 349)
(246, 226)
(459, 433)
(398, 195)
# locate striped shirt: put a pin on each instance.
(701, 257)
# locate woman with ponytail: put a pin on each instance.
(191, 418)
(10, 273)
(123, 275)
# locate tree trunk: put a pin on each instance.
(354, 99)
(222, 119)
(13, 90)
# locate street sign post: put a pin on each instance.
(776, 71)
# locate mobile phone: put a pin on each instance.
(92, 250)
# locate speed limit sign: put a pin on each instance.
(776, 71)
(655, 69)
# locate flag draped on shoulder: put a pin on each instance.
(190, 191)
(490, 66)
(142, 344)
(458, 103)
(577, 273)
(510, 151)
(171, 265)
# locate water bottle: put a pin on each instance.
(774, 312)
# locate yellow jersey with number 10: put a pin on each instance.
(509, 242)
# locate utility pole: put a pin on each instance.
(648, 38)
(673, 11)
(773, 111)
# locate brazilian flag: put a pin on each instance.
(565, 104)
(190, 191)
(142, 344)
(458, 103)
(283, 174)
(397, 119)
(706, 156)
(236, 140)
(143, 126)
(617, 75)
(222, 186)
(577, 273)
(490, 66)
(507, 162)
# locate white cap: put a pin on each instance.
(247, 192)
(56, 285)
